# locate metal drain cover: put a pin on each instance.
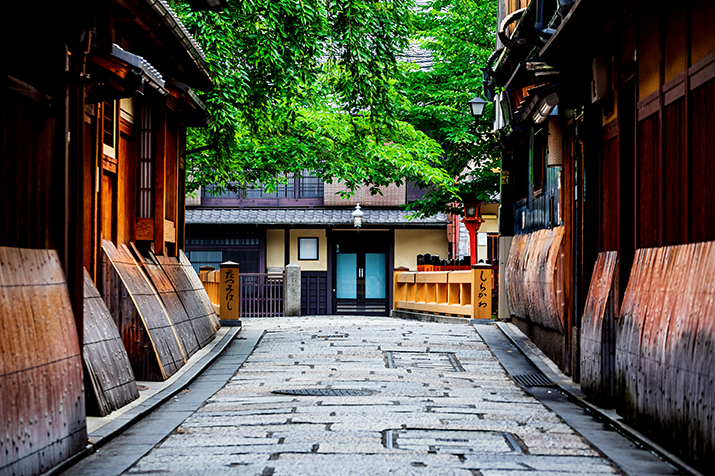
(324, 392)
(533, 380)
(462, 442)
(445, 361)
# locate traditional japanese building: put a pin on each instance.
(607, 135)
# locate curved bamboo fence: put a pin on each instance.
(41, 399)
(534, 278)
(598, 331)
(665, 349)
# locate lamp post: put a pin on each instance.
(472, 221)
(476, 107)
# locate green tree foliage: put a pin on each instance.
(306, 85)
(318, 85)
(460, 35)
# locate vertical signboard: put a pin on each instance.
(481, 292)
(229, 292)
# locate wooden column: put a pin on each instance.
(159, 175)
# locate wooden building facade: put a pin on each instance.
(95, 102)
(610, 108)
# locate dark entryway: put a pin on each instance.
(360, 272)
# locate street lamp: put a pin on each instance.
(476, 107)
(357, 217)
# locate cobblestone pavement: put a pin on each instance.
(398, 397)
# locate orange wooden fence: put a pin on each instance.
(454, 293)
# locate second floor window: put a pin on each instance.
(305, 186)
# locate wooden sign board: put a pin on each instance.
(229, 292)
(482, 292)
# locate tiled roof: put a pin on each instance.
(316, 216)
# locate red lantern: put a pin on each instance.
(472, 221)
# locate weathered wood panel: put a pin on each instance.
(41, 398)
(174, 307)
(106, 362)
(534, 278)
(147, 332)
(598, 333)
(198, 289)
(665, 349)
(200, 317)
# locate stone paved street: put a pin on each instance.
(401, 397)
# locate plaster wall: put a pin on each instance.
(410, 243)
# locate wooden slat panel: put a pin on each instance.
(105, 357)
(145, 229)
(598, 330)
(702, 205)
(665, 355)
(41, 398)
(201, 315)
(165, 344)
(534, 285)
(168, 295)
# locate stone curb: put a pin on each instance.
(114, 428)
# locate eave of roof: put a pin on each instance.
(313, 216)
(155, 32)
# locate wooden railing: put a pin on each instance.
(258, 294)
(452, 293)
(211, 280)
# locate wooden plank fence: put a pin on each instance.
(41, 400)
(112, 383)
(665, 349)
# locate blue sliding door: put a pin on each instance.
(360, 272)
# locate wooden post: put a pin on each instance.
(481, 291)
(398, 291)
(229, 298)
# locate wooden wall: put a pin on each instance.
(41, 397)
(665, 349)
(30, 208)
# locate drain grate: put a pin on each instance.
(324, 392)
(533, 380)
(445, 361)
(331, 336)
(458, 442)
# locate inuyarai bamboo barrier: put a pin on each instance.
(41, 401)
(534, 278)
(598, 332)
(665, 349)
(110, 374)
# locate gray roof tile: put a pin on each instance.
(313, 216)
